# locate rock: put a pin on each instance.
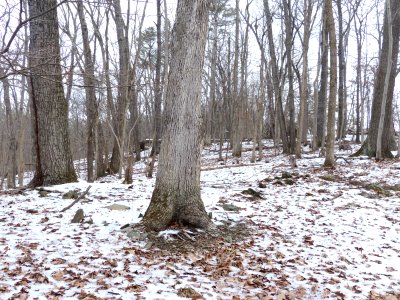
(79, 215)
(378, 189)
(252, 192)
(230, 207)
(43, 193)
(228, 239)
(278, 182)
(286, 175)
(117, 207)
(148, 245)
(71, 195)
(289, 181)
(262, 185)
(133, 234)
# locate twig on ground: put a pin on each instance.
(228, 166)
(77, 200)
(42, 189)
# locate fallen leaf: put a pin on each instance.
(189, 293)
(58, 275)
(135, 288)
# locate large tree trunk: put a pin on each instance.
(176, 196)
(91, 104)
(369, 146)
(330, 137)
(49, 107)
(389, 67)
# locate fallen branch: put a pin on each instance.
(77, 200)
(12, 192)
(228, 166)
(42, 189)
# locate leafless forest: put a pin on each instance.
(91, 83)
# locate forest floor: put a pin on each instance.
(283, 233)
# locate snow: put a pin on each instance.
(309, 238)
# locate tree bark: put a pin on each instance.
(369, 146)
(12, 144)
(49, 107)
(123, 90)
(236, 137)
(379, 155)
(330, 137)
(176, 196)
(157, 87)
(316, 98)
(304, 77)
(155, 149)
(133, 92)
(342, 69)
(275, 80)
(322, 94)
(91, 104)
(358, 79)
(289, 65)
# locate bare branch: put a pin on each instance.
(22, 24)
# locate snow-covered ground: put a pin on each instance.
(315, 233)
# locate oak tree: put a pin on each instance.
(49, 107)
(176, 196)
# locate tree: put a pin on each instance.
(330, 136)
(123, 90)
(343, 37)
(236, 134)
(379, 155)
(157, 96)
(101, 151)
(322, 94)
(176, 196)
(342, 70)
(49, 107)
(12, 147)
(287, 8)
(275, 79)
(383, 91)
(157, 87)
(91, 104)
(304, 75)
